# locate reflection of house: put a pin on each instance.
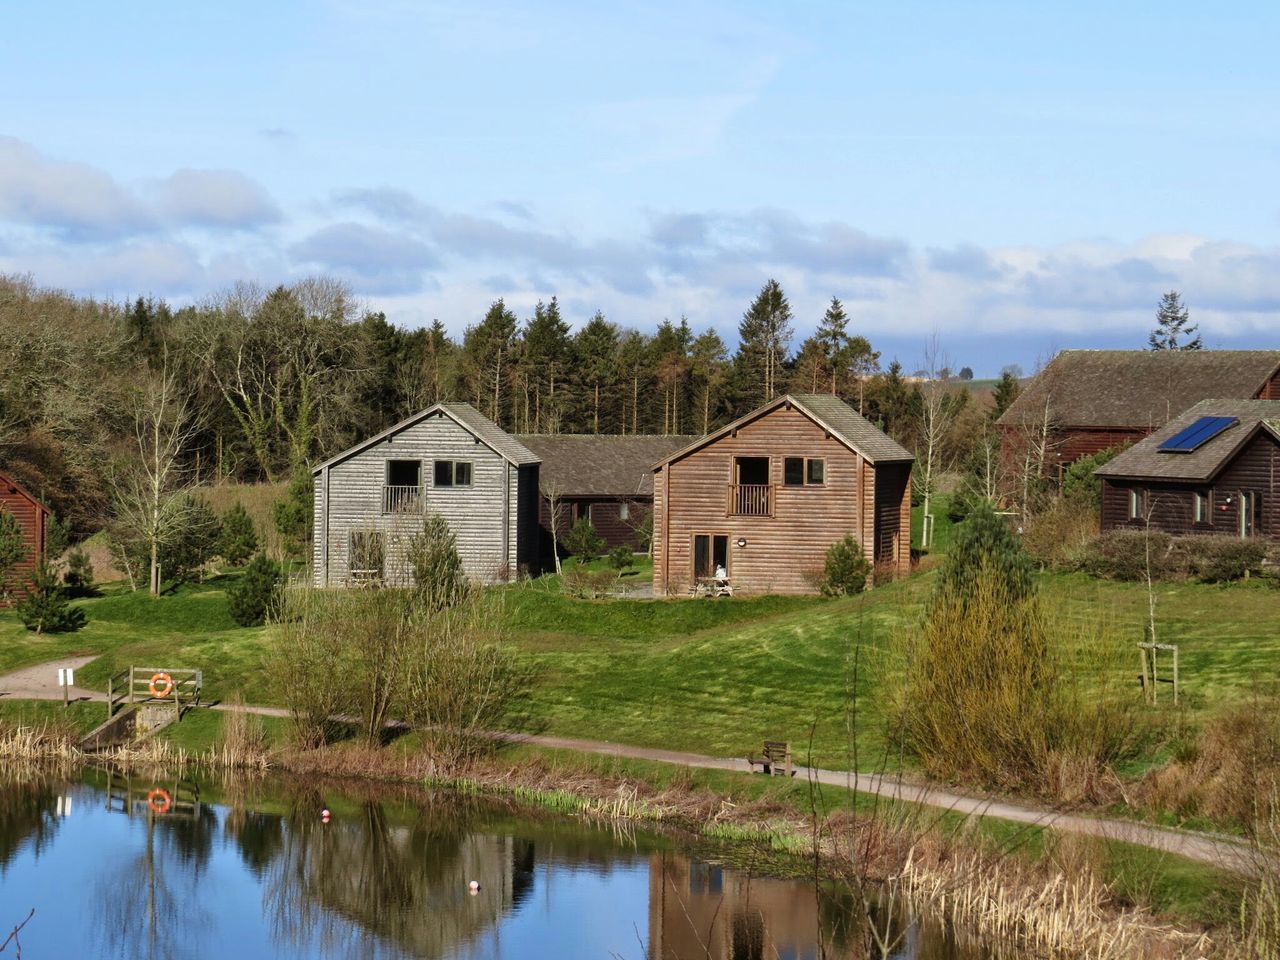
(32, 517)
(766, 496)
(704, 910)
(608, 479)
(1215, 469)
(1085, 401)
(448, 460)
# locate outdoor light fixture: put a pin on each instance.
(742, 541)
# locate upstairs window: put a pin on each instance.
(803, 471)
(453, 473)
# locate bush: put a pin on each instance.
(437, 567)
(1220, 559)
(589, 584)
(1059, 535)
(292, 513)
(46, 608)
(255, 598)
(582, 541)
(1079, 483)
(621, 558)
(1127, 555)
(237, 539)
(78, 579)
(846, 569)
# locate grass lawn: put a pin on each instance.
(711, 676)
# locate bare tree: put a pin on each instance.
(551, 490)
(936, 416)
(151, 491)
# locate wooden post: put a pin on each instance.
(1154, 678)
(109, 697)
(1175, 674)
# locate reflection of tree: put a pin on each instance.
(27, 812)
(363, 886)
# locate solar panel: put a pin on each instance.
(1197, 435)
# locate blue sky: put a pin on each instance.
(1016, 177)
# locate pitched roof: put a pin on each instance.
(9, 485)
(832, 414)
(463, 414)
(589, 465)
(1144, 460)
(1138, 389)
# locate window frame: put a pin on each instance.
(1202, 507)
(806, 471)
(1137, 502)
(452, 481)
(711, 554)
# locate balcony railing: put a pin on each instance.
(751, 500)
(402, 499)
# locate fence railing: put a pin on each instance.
(751, 500)
(402, 499)
(154, 685)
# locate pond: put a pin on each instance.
(126, 866)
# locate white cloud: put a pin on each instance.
(214, 198)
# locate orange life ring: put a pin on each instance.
(165, 801)
(164, 680)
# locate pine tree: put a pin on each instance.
(811, 370)
(1173, 322)
(595, 353)
(708, 369)
(764, 337)
(438, 576)
(257, 594)
(487, 351)
(985, 546)
(292, 513)
(545, 357)
(237, 540)
(45, 608)
(833, 337)
(1005, 393)
(78, 578)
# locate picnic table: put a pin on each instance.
(712, 587)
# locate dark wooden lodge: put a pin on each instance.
(33, 520)
(606, 478)
(767, 496)
(1213, 470)
(1095, 400)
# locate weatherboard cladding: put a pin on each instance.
(486, 517)
(1140, 389)
(32, 517)
(1145, 460)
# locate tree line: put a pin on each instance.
(101, 402)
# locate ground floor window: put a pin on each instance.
(624, 511)
(1137, 504)
(710, 554)
(367, 556)
(1250, 512)
(1201, 511)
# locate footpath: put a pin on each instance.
(40, 683)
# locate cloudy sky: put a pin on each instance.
(1016, 177)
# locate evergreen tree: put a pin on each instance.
(78, 578)
(833, 336)
(846, 569)
(891, 401)
(13, 548)
(985, 546)
(237, 540)
(764, 337)
(487, 350)
(708, 370)
(635, 375)
(811, 370)
(256, 596)
(438, 577)
(46, 608)
(292, 513)
(583, 542)
(1173, 322)
(595, 353)
(545, 359)
(429, 372)
(1005, 393)
(669, 359)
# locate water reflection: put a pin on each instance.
(248, 869)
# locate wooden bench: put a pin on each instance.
(775, 758)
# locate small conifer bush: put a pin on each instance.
(78, 579)
(257, 595)
(237, 540)
(621, 558)
(583, 541)
(846, 569)
(46, 607)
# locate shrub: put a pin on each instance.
(254, 599)
(589, 584)
(237, 539)
(437, 567)
(57, 536)
(1058, 536)
(78, 578)
(582, 541)
(194, 542)
(46, 608)
(621, 558)
(846, 569)
(1079, 483)
(1128, 554)
(1219, 559)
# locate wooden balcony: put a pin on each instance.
(402, 499)
(751, 500)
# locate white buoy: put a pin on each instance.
(324, 815)
(474, 886)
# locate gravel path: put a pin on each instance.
(40, 683)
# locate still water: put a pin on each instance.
(118, 866)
